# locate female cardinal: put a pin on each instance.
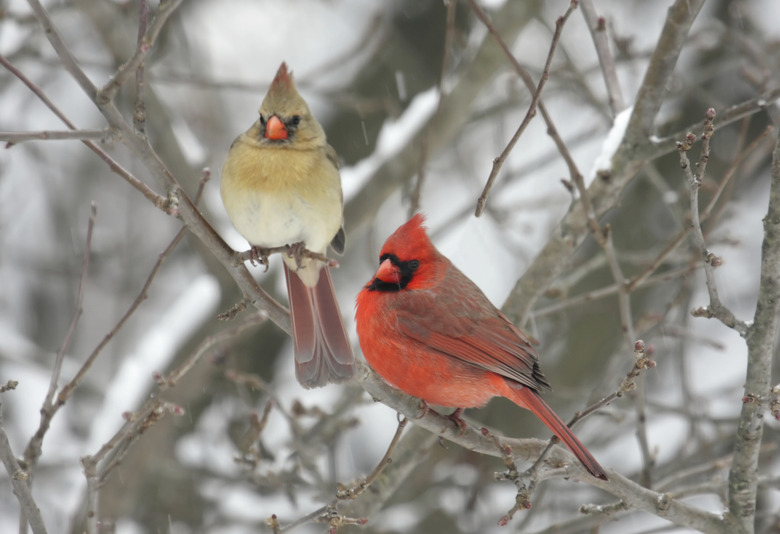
(281, 186)
(429, 331)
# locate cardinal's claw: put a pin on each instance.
(455, 418)
(424, 409)
(296, 251)
(258, 255)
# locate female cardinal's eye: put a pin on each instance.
(296, 120)
(414, 264)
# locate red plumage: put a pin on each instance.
(430, 331)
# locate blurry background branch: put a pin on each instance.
(418, 99)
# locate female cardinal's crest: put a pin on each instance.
(282, 93)
(283, 78)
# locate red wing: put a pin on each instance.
(464, 325)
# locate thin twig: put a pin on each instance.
(715, 308)
(664, 145)
(64, 53)
(119, 445)
(598, 31)
(531, 113)
(173, 377)
(641, 362)
(628, 384)
(615, 288)
(52, 135)
(414, 197)
(156, 200)
(33, 449)
(139, 109)
(68, 389)
(639, 279)
(55, 374)
(30, 512)
(354, 491)
(145, 43)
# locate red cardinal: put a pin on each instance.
(430, 331)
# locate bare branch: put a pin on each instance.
(68, 61)
(598, 30)
(53, 135)
(531, 113)
(629, 158)
(19, 480)
(139, 108)
(716, 308)
(145, 44)
(469, 80)
(660, 70)
(634, 495)
(743, 477)
(55, 374)
(723, 118)
(157, 200)
(353, 492)
(414, 198)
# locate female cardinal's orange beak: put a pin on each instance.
(275, 129)
(388, 273)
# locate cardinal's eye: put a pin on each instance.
(296, 120)
(414, 264)
(262, 119)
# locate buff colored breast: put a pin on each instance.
(279, 196)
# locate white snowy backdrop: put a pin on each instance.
(197, 453)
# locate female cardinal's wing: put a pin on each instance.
(461, 322)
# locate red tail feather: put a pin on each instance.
(530, 399)
(322, 350)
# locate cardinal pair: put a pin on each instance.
(423, 326)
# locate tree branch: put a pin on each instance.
(660, 70)
(19, 480)
(761, 336)
(598, 31)
(554, 258)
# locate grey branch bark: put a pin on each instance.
(626, 162)
(637, 497)
(743, 477)
(19, 479)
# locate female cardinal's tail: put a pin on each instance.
(322, 350)
(530, 400)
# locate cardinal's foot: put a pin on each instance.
(455, 418)
(258, 255)
(424, 409)
(296, 251)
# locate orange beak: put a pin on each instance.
(275, 129)
(388, 273)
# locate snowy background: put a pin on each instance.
(369, 71)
